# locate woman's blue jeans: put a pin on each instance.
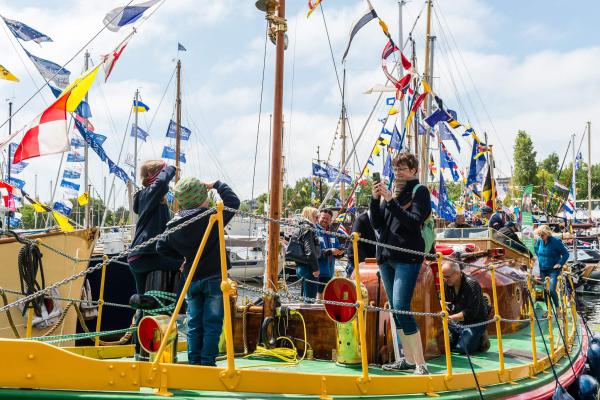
(399, 280)
(309, 289)
(205, 320)
(553, 275)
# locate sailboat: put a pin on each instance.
(333, 347)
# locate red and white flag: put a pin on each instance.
(47, 134)
(109, 60)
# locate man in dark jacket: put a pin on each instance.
(362, 225)
(509, 231)
(204, 297)
(466, 305)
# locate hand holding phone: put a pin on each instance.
(376, 177)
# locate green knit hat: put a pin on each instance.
(190, 192)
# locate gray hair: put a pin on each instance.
(453, 265)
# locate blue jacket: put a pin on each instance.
(496, 221)
(551, 253)
(152, 211)
(184, 243)
(327, 260)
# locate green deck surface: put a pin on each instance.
(517, 351)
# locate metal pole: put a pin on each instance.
(8, 167)
(428, 107)
(86, 177)
(589, 183)
(178, 126)
(574, 189)
(400, 67)
(424, 159)
(132, 215)
(343, 135)
(320, 178)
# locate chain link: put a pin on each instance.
(77, 336)
(98, 266)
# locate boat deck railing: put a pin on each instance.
(158, 371)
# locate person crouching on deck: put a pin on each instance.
(398, 218)
(150, 204)
(204, 297)
(466, 305)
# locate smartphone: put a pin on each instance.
(376, 177)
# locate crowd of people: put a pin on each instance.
(397, 216)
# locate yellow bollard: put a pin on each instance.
(444, 319)
(227, 290)
(549, 305)
(498, 320)
(101, 300)
(362, 331)
(532, 325)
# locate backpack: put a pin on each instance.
(302, 249)
(428, 227)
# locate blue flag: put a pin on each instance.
(141, 134)
(387, 168)
(180, 47)
(318, 170)
(50, 71)
(445, 209)
(63, 207)
(390, 101)
(77, 143)
(70, 185)
(18, 183)
(396, 140)
(183, 131)
(25, 32)
(100, 139)
(75, 157)
(446, 134)
(84, 110)
(475, 166)
(169, 153)
(446, 161)
(18, 167)
(12, 148)
(121, 16)
(71, 174)
(438, 115)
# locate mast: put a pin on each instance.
(277, 28)
(589, 182)
(8, 167)
(424, 159)
(178, 126)
(428, 107)
(343, 135)
(320, 178)
(574, 189)
(130, 188)
(415, 130)
(491, 161)
(86, 177)
(400, 67)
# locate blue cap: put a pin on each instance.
(486, 209)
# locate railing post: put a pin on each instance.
(532, 324)
(550, 329)
(211, 222)
(573, 307)
(362, 327)
(100, 301)
(29, 321)
(562, 294)
(227, 290)
(498, 320)
(444, 319)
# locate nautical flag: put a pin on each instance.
(50, 71)
(438, 115)
(12, 148)
(396, 140)
(387, 168)
(400, 85)
(342, 229)
(446, 161)
(421, 130)
(140, 107)
(319, 170)
(560, 186)
(312, 7)
(578, 161)
(446, 134)
(369, 15)
(25, 32)
(63, 206)
(445, 208)
(351, 207)
(63, 222)
(475, 166)
(75, 157)
(169, 153)
(184, 132)
(70, 185)
(100, 139)
(435, 199)
(18, 183)
(7, 75)
(77, 143)
(47, 134)
(569, 205)
(180, 47)
(109, 60)
(486, 193)
(84, 110)
(121, 16)
(390, 101)
(83, 199)
(71, 174)
(15, 220)
(18, 167)
(393, 111)
(141, 134)
(415, 107)
(432, 167)
(85, 122)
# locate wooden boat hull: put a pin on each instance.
(79, 243)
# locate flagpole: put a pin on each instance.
(8, 167)
(400, 67)
(491, 167)
(424, 160)
(574, 189)
(86, 218)
(589, 182)
(178, 126)
(343, 135)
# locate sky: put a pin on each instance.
(503, 66)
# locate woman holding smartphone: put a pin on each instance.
(398, 217)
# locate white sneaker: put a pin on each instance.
(399, 365)
(421, 370)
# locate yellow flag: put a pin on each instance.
(376, 151)
(83, 199)
(38, 208)
(63, 222)
(79, 87)
(5, 74)
(393, 111)
(426, 86)
(384, 27)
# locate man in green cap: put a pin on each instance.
(204, 297)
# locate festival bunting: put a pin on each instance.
(184, 132)
(141, 134)
(77, 143)
(7, 75)
(475, 166)
(71, 174)
(83, 199)
(396, 139)
(25, 32)
(446, 134)
(319, 170)
(70, 185)
(63, 206)
(368, 16)
(75, 157)
(118, 17)
(446, 161)
(109, 60)
(18, 167)
(445, 208)
(312, 6)
(50, 71)
(18, 183)
(417, 103)
(169, 153)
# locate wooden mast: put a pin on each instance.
(178, 126)
(276, 31)
(424, 150)
(589, 182)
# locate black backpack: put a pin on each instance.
(302, 249)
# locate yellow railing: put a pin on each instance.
(498, 321)
(101, 300)
(362, 328)
(534, 360)
(550, 330)
(444, 319)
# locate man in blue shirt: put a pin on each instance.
(496, 220)
(330, 248)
